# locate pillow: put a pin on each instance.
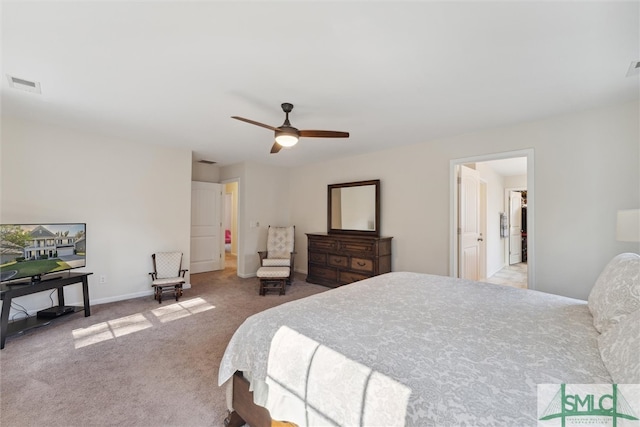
(620, 349)
(616, 292)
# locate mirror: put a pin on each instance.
(354, 208)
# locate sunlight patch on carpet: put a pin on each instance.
(109, 330)
(178, 310)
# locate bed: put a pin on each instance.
(417, 350)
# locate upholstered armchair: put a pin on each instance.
(280, 249)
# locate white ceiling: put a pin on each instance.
(389, 73)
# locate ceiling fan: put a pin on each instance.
(287, 136)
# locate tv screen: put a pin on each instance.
(33, 250)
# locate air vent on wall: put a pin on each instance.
(634, 69)
(23, 84)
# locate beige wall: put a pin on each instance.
(205, 172)
(586, 168)
(518, 181)
(263, 194)
(134, 198)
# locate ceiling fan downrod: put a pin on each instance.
(287, 108)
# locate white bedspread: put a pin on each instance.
(417, 350)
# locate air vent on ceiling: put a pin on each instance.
(207, 162)
(634, 69)
(24, 84)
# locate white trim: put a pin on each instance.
(483, 230)
(107, 300)
(453, 207)
(117, 298)
(506, 202)
(240, 227)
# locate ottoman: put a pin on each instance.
(273, 279)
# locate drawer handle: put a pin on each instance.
(362, 264)
(337, 260)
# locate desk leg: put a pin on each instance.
(85, 295)
(60, 297)
(4, 320)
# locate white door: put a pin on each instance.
(469, 224)
(207, 237)
(515, 227)
(482, 244)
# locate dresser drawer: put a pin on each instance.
(326, 245)
(318, 258)
(338, 261)
(357, 246)
(322, 272)
(347, 277)
(362, 264)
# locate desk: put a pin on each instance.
(17, 289)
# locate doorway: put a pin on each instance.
(492, 240)
(230, 225)
(516, 200)
(206, 227)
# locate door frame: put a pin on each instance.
(239, 228)
(453, 207)
(468, 217)
(507, 194)
(483, 230)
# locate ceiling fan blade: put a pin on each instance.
(242, 119)
(275, 148)
(323, 134)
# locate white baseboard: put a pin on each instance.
(92, 302)
(248, 276)
(126, 296)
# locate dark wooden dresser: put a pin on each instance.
(339, 259)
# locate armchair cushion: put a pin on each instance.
(280, 242)
(167, 264)
(168, 281)
(277, 262)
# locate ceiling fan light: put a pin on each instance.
(286, 139)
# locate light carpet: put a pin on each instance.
(133, 362)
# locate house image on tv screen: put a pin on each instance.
(33, 250)
(49, 245)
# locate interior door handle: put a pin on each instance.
(480, 239)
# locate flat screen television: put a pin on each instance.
(35, 250)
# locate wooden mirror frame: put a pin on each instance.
(376, 230)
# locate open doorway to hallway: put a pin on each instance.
(230, 224)
(514, 230)
(489, 240)
(511, 275)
